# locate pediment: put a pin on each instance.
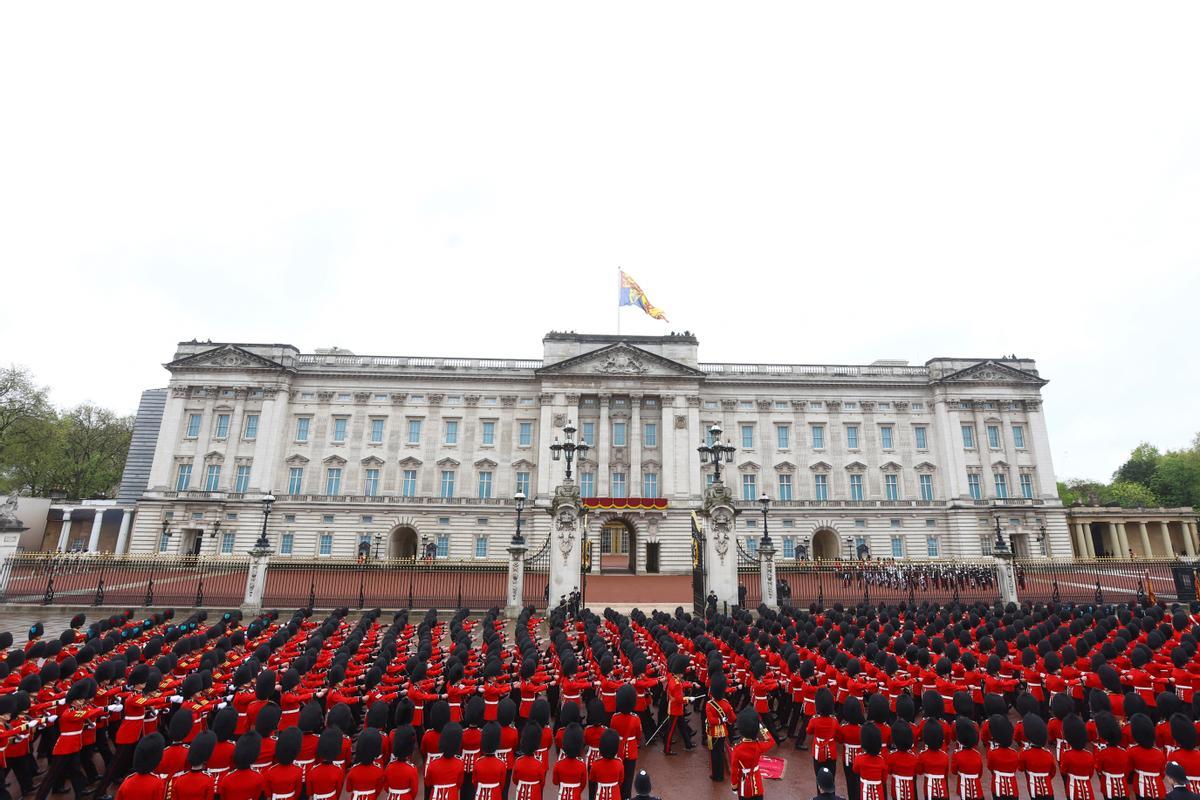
(485, 463)
(856, 466)
(748, 466)
(522, 463)
(925, 466)
(226, 356)
(820, 466)
(651, 463)
(410, 462)
(372, 461)
(1000, 464)
(296, 460)
(890, 466)
(621, 359)
(448, 462)
(785, 466)
(990, 371)
(334, 461)
(214, 456)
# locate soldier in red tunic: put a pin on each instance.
(244, 783)
(444, 773)
(933, 765)
(902, 762)
(823, 728)
(871, 767)
(718, 719)
(1146, 759)
(174, 760)
(607, 771)
(285, 778)
(529, 772)
(365, 780)
(64, 763)
(1002, 761)
(491, 773)
(967, 763)
(143, 784)
(744, 758)
(570, 772)
(849, 734)
(1183, 732)
(629, 726)
(1112, 759)
(196, 783)
(326, 778)
(1035, 760)
(1077, 763)
(676, 705)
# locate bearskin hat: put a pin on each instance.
(148, 753)
(201, 749)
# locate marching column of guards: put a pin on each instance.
(921, 702)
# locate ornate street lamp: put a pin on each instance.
(765, 502)
(216, 528)
(517, 538)
(267, 501)
(1000, 546)
(570, 447)
(378, 538)
(716, 452)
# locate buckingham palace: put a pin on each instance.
(391, 456)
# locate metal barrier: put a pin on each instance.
(537, 576)
(388, 583)
(1106, 580)
(83, 579)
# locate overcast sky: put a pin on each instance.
(805, 183)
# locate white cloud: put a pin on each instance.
(795, 182)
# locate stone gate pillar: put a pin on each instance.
(256, 580)
(720, 547)
(566, 545)
(766, 574)
(1006, 575)
(515, 596)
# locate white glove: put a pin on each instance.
(53, 718)
(221, 705)
(115, 707)
(62, 701)
(176, 698)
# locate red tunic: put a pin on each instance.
(529, 778)
(629, 726)
(174, 762)
(849, 736)
(1148, 764)
(823, 731)
(1077, 767)
(1113, 765)
(195, 784)
(243, 784)
(324, 782)
(363, 782)
(934, 766)
(607, 774)
(873, 774)
(570, 776)
(284, 781)
(743, 767)
(902, 769)
(444, 778)
(968, 766)
(1038, 766)
(490, 775)
(137, 706)
(1004, 764)
(1190, 761)
(142, 787)
(70, 729)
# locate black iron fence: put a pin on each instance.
(81, 579)
(387, 583)
(537, 575)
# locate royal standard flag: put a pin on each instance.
(632, 295)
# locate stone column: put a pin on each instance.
(566, 546)
(766, 573)
(515, 596)
(161, 476)
(64, 536)
(9, 540)
(1081, 550)
(666, 444)
(1147, 552)
(272, 430)
(720, 546)
(1114, 542)
(94, 536)
(949, 444)
(1007, 577)
(123, 533)
(256, 580)
(1088, 544)
(545, 437)
(1039, 446)
(635, 445)
(694, 486)
(1165, 532)
(1188, 530)
(603, 441)
(1122, 541)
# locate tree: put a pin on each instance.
(1128, 494)
(1140, 467)
(94, 444)
(33, 457)
(1088, 493)
(1176, 481)
(20, 400)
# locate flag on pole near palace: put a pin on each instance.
(632, 295)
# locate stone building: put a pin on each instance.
(386, 452)
(1110, 532)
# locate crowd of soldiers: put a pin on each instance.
(937, 702)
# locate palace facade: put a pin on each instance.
(389, 454)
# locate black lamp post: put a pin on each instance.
(716, 452)
(215, 529)
(570, 447)
(517, 538)
(765, 502)
(166, 529)
(1000, 545)
(263, 544)
(378, 538)
(1042, 537)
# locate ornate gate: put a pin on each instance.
(698, 596)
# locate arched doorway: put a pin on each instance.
(402, 543)
(618, 547)
(825, 545)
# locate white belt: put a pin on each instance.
(134, 719)
(324, 796)
(69, 733)
(305, 762)
(283, 796)
(491, 702)
(365, 793)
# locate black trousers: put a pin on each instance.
(25, 768)
(117, 769)
(62, 768)
(4, 795)
(627, 783)
(678, 723)
(853, 783)
(717, 759)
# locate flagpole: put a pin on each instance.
(618, 301)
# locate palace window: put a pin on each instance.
(885, 437)
(856, 487)
(302, 424)
(523, 482)
(588, 433)
(408, 486)
(821, 487)
(193, 426)
(968, 436)
(525, 434)
(649, 484)
(333, 481)
(183, 477)
(287, 543)
(212, 477)
(340, 424)
(414, 431)
(926, 483)
(783, 436)
(227, 540)
(325, 547)
(920, 437)
(251, 426)
(241, 481)
(818, 436)
(1001, 481)
(852, 437)
(933, 546)
(377, 431)
(1027, 486)
(897, 547)
(785, 488)
(749, 487)
(650, 434)
(222, 426)
(993, 434)
(450, 429)
(891, 487)
(447, 483)
(587, 484)
(485, 485)
(371, 484)
(618, 434)
(789, 547)
(618, 484)
(489, 433)
(1018, 436)
(747, 437)
(973, 486)
(443, 545)
(481, 546)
